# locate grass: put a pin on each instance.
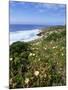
(39, 63)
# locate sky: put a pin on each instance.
(37, 13)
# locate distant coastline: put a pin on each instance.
(26, 35)
(24, 32)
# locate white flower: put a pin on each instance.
(62, 54)
(54, 47)
(57, 63)
(33, 54)
(33, 48)
(36, 48)
(62, 48)
(10, 81)
(30, 54)
(37, 43)
(27, 80)
(11, 59)
(50, 32)
(54, 53)
(51, 42)
(14, 84)
(55, 31)
(60, 68)
(45, 48)
(39, 59)
(36, 73)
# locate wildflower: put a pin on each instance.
(45, 48)
(33, 48)
(62, 48)
(57, 63)
(49, 76)
(54, 53)
(54, 47)
(55, 31)
(60, 68)
(37, 43)
(51, 32)
(30, 54)
(62, 54)
(10, 81)
(11, 59)
(33, 54)
(14, 85)
(51, 42)
(27, 80)
(39, 59)
(36, 73)
(36, 48)
(57, 39)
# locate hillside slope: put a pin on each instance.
(41, 62)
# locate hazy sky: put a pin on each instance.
(36, 13)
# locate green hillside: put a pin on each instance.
(41, 62)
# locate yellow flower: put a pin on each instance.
(27, 80)
(36, 73)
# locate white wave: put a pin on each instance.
(25, 35)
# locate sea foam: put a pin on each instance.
(24, 35)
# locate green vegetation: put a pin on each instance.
(41, 62)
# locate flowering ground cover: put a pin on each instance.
(41, 62)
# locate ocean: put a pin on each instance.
(18, 27)
(22, 32)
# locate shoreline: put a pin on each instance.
(24, 36)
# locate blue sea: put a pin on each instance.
(18, 27)
(22, 32)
